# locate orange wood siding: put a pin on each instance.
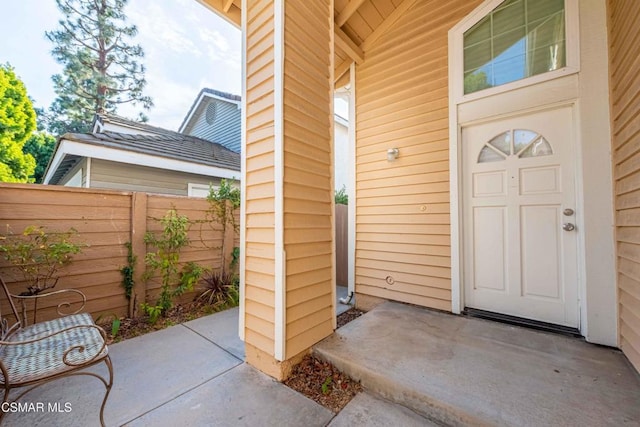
(308, 190)
(259, 219)
(402, 207)
(624, 57)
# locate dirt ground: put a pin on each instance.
(321, 381)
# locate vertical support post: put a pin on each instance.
(139, 249)
(288, 271)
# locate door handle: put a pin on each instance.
(567, 226)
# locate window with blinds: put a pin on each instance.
(518, 39)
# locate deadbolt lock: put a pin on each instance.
(568, 212)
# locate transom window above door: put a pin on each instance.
(520, 143)
(516, 40)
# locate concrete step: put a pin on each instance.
(459, 371)
(368, 410)
(389, 396)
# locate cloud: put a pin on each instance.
(187, 48)
(157, 27)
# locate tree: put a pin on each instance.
(101, 69)
(17, 121)
(40, 145)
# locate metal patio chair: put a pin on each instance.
(31, 355)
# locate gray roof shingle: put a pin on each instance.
(171, 145)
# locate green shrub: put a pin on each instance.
(39, 255)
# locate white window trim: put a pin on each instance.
(456, 53)
(193, 187)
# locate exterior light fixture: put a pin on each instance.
(392, 154)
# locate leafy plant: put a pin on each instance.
(326, 384)
(190, 275)
(115, 323)
(153, 311)
(128, 271)
(220, 289)
(223, 201)
(341, 196)
(235, 258)
(39, 255)
(166, 259)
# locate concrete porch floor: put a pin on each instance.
(463, 371)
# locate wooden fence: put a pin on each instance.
(106, 221)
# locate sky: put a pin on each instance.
(187, 47)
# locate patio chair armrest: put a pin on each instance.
(63, 305)
(75, 345)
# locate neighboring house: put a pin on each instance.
(497, 163)
(126, 155)
(215, 116)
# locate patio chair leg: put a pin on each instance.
(107, 361)
(4, 400)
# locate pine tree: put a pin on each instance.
(102, 70)
(17, 121)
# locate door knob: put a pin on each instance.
(567, 226)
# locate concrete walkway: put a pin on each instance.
(462, 371)
(414, 363)
(190, 375)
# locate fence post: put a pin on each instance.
(139, 248)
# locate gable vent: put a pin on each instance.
(210, 116)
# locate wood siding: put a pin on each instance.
(308, 189)
(126, 177)
(103, 220)
(259, 185)
(402, 207)
(624, 54)
(226, 128)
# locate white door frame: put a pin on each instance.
(596, 253)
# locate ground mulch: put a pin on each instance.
(323, 382)
(134, 327)
(348, 316)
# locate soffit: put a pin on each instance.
(358, 24)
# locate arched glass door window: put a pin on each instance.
(520, 143)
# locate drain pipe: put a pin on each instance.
(348, 299)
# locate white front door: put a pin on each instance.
(519, 201)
